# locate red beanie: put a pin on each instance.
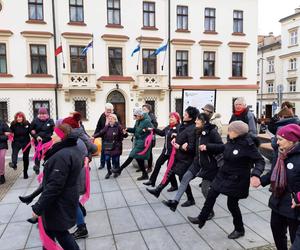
(71, 121)
(290, 132)
(176, 115)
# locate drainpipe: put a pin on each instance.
(169, 53)
(55, 58)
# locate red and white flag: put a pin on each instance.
(58, 50)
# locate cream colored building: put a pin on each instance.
(212, 46)
(280, 56)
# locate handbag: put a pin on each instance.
(108, 146)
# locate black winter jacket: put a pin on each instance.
(21, 132)
(101, 122)
(282, 205)
(59, 199)
(43, 129)
(184, 159)
(3, 138)
(205, 164)
(240, 156)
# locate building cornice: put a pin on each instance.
(289, 17)
(290, 55)
(6, 33)
(75, 35)
(238, 44)
(27, 86)
(148, 39)
(115, 38)
(217, 87)
(115, 79)
(41, 34)
(182, 42)
(212, 43)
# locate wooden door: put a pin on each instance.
(119, 108)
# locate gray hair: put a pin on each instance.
(114, 116)
(109, 106)
(240, 100)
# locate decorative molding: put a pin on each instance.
(148, 39)
(209, 78)
(292, 54)
(114, 26)
(238, 34)
(36, 21)
(182, 42)
(238, 44)
(220, 87)
(210, 32)
(115, 79)
(39, 76)
(6, 33)
(115, 38)
(76, 35)
(2, 75)
(183, 31)
(30, 33)
(152, 98)
(182, 77)
(77, 23)
(28, 86)
(237, 78)
(212, 43)
(149, 28)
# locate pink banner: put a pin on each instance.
(38, 151)
(48, 243)
(86, 196)
(28, 145)
(11, 137)
(170, 165)
(147, 144)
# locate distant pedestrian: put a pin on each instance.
(214, 118)
(4, 133)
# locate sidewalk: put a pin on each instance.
(123, 215)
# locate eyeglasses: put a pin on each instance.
(207, 111)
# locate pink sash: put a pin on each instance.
(147, 144)
(28, 145)
(10, 137)
(48, 243)
(86, 196)
(170, 165)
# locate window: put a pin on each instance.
(294, 37)
(182, 17)
(152, 104)
(115, 61)
(270, 86)
(178, 106)
(237, 21)
(3, 111)
(149, 61)
(209, 63)
(113, 12)
(149, 14)
(35, 10)
(293, 64)
(40, 104)
(3, 62)
(210, 19)
(258, 67)
(78, 59)
(237, 64)
(182, 63)
(270, 65)
(76, 10)
(38, 58)
(292, 85)
(80, 106)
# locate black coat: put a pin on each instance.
(153, 120)
(169, 134)
(184, 159)
(43, 129)
(247, 117)
(3, 138)
(282, 205)
(21, 132)
(101, 122)
(59, 199)
(205, 164)
(240, 156)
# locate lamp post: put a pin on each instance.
(261, 83)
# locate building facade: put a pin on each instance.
(211, 45)
(277, 67)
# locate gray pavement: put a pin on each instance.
(123, 215)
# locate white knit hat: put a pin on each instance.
(138, 111)
(239, 127)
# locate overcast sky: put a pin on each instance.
(270, 11)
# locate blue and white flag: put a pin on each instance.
(90, 45)
(136, 50)
(160, 49)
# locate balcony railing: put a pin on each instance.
(152, 82)
(79, 81)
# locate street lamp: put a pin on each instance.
(261, 82)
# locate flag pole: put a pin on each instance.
(162, 67)
(138, 60)
(62, 52)
(93, 65)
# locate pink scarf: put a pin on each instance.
(147, 144)
(48, 243)
(170, 165)
(86, 196)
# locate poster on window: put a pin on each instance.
(198, 98)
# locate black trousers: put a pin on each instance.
(16, 147)
(140, 162)
(159, 162)
(64, 238)
(233, 207)
(279, 225)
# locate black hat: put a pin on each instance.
(192, 112)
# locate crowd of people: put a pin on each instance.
(193, 147)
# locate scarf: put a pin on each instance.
(278, 177)
(173, 124)
(238, 113)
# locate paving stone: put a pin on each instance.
(109, 185)
(253, 205)
(21, 183)
(250, 240)
(95, 187)
(133, 240)
(149, 197)
(95, 203)
(22, 213)
(266, 215)
(134, 197)
(114, 199)
(260, 196)
(15, 236)
(222, 202)
(159, 239)
(34, 238)
(145, 217)
(188, 211)
(167, 216)
(187, 238)
(106, 243)
(7, 211)
(121, 220)
(98, 224)
(126, 183)
(81, 244)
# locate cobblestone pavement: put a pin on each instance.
(123, 215)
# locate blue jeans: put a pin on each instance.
(115, 162)
(102, 158)
(79, 217)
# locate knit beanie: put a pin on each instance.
(209, 107)
(290, 132)
(238, 127)
(71, 121)
(138, 111)
(43, 110)
(192, 112)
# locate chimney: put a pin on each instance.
(297, 10)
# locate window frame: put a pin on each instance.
(208, 61)
(237, 62)
(120, 60)
(38, 57)
(270, 87)
(182, 61)
(239, 21)
(4, 111)
(271, 65)
(211, 20)
(5, 58)
(293, 37)
(35, 111)
(148, 61)
(292, 85)
(293, 64)
(78, 56)
(35, 4)
(181, 16)
(84, 112)
(76, 6)
(113, 9)
(149, 12)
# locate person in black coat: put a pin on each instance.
(41, 129)
(185, 150)
(205, 164)
(284, 178)
(20, 129)
(169, 132)
(59, 200)
(102, 122)
(233, 178)
(4, 133)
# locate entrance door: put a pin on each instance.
(268, 110)
(117, 99)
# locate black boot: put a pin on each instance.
(36, 169)
(156, 191)
(117, 170)
(2, 179)
(196, 220)
(81, 232)
(236, 234)
(25, 169)
(188, 203)
(25, 174)
(29, 198)
(172, 189)
(143, 177)
(33, 220)
(107, 175)
(12, 165)
(172, 204)
(149, 183)
(211, 215)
